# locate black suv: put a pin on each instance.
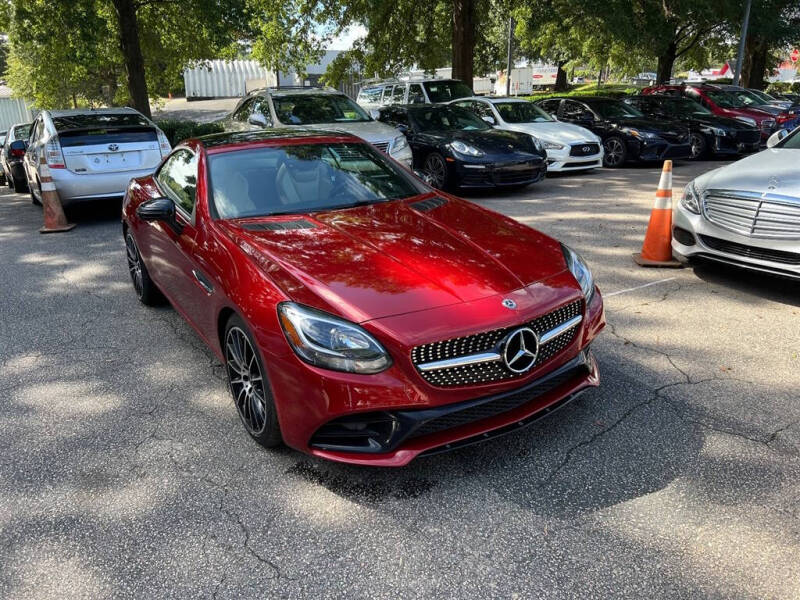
(627, 134)
(710, 135)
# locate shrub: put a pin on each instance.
(177, 131)
(612, 91)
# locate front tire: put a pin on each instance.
(248, 384)
(615, 153)
(146, 291)
(698, 145)
(435, 169)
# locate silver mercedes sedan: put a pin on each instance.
(746, 213)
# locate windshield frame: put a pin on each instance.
(415, 186)
(276, 99)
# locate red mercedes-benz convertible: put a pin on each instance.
(362, 316)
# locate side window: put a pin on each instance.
(482, 109)
(261, 106)
(550, 106)
(370, 95)
(178, 178)
(573, 110)
(415, 94)
(397, 94)
(243, 112)
(36, 131)
(387, 94)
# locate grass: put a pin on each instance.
(591, 89)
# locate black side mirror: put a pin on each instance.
(258, 120)
(159, 209)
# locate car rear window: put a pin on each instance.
(103, 128)
(22, 132)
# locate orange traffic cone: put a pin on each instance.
(657, 247)
(54, 218)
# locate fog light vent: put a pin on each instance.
(683, 237)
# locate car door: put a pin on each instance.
(179, 270)
(579, 113)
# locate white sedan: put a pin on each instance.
(569, 147)
(746, 213)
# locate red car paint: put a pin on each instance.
(407, 277)
(698, 94)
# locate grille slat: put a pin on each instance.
(780, 256)
(489, 341)
(754, 215)
(382, 146)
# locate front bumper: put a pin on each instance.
(656, 150)
(75, 187)
(490, 175)
(309, 399)
(562, 160)
(713, 243)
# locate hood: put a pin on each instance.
(775, 171)
(491, 141)
(556, 131)
(726, 122)
(371, 131)
(397, 257)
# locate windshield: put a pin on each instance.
(682, 106)
(522, 112)
(446, 118)
(100, 120)
(304, 178)
(446, 90)
(792, 141)
(725, 99)
(765, 98)
(748, 98)
(614, 109)
(305, 109)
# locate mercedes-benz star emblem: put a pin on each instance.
(773, 183)
(520, 350)
(113, 147)
(509, 303)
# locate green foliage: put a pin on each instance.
(612, 91)
(177, 131)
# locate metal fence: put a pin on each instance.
(12, 111)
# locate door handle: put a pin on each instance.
(203, 281)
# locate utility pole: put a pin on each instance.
(509, 59)
(740, 56)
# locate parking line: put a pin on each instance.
(638, 287)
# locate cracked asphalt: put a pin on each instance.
(125, 473)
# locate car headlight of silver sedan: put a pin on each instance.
(326, 341)
(580, 270)
(690, 200)
(553, 146)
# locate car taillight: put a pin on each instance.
(163, 143)
(53, 155)
(17, 153)
(783, 117)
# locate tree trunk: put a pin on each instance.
(132, 53)
(666, 60)
(754, 65)
(463, 40)
(561, 77)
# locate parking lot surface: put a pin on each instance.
(125, 473)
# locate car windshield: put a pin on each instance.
(304, 178)
(682, 106)
(446, 90)
(792, 142)
(725, 99)
(748, 98)
(522, 112)
(307, 109)
(614, 109)
(446, 118)
(765, 98)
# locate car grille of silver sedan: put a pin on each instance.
(754, 215)
(382, 146)
(480, 353)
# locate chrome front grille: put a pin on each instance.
(382, 146)
(480, 351)
(754, 215)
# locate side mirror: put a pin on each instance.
(159, 209)
(489, 119)
(258, 120)
(17, 148)
(375, 114)
(773, 140)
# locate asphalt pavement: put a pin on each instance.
(125, 473)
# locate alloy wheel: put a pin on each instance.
(696, 144)
(246, 380)
(436, 170)
(614, 152)
(134, 264)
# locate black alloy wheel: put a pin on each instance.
(697, 143)
(248, 385)
(436, 170)
(146, 291)
(615, 152)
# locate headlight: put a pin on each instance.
(553, 146)
(463, 148)
(538, 144)
(580, 270)
(644, 135)
(747, 120)
(717, 131)
(690, 200)
(329, 342)
(399, 143)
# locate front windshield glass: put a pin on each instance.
(725, 99)
(446, 118)
(307, 109)
(522, 112)
(304, 178)
(683, 106)
(748, 98)
(765, 98)
(792, 142)
(446, 90)
(615, 109)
